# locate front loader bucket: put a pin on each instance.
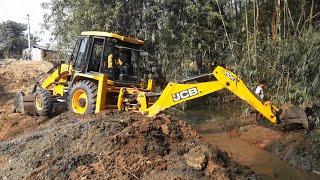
(23, 104)
(293, 115)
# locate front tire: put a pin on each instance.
(43, 103)
(83, 97)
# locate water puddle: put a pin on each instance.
(261, 161)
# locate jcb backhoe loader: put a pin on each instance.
(104, 73)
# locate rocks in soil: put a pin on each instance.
(115, 145)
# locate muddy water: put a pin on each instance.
(259, 160)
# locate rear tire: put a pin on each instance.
(83, 97)
(43, 104)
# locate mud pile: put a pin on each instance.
(115, 145)
(18, 76)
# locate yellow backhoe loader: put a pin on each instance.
(104, 72)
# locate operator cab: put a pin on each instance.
(107, 53)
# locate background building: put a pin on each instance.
(40, 53)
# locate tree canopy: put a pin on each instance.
(12, 38)
(277, 40)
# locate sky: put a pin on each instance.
(17, 10)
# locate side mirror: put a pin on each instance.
(69, 56)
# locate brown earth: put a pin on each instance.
(17, 76)
(107, 145)
(12, 125)
(298, 148)
(295, 147)
(258, 135)
(115, 145)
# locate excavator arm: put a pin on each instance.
(57, 77)
(234, 84)
(177, 93)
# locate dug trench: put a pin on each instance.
(265, 147)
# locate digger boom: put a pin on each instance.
(177, 93)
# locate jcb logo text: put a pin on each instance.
(185, 94)
(229, 75)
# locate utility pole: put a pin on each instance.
(29, 41)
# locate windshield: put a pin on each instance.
(124, 62)
(129, 57)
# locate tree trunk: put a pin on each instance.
(275, 24)
(255, 30)
(311, 13)
(247, 30)
(236, 8)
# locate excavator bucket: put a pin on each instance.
(23, 104)
(292, 116)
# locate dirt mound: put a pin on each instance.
(12, 125)
(18, 76)
(115, 145)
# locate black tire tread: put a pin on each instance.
(47, 102)
(91, 89)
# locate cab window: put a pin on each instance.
(81, 55)
(96, 55)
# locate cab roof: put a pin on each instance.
(112, 35)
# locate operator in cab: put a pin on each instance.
(118, 61)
